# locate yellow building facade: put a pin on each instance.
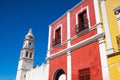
(110, 17)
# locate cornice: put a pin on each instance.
(113, 54)
(76, 46)
(79, 34)
(102, 0)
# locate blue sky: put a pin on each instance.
(16, 17)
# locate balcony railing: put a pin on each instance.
(81, 26)
(56, 41)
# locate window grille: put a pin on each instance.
(84, 74)
(82, 22)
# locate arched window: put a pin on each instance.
(26, 54)
(31, 55)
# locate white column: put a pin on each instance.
(103, 56)
(69, 72)
(49, 39)
(48, 53)
(106, 28)
(118, 20)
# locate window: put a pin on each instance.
(25, 76)
(82, 21)
(31, 55)
(84, 74)
(57, 39)
(30, 43)
(26, 54)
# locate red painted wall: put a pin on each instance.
(87, 57)
(60, 62)
(91, 12)
(62, 21)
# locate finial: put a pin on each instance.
(30, 35)
(30, 30)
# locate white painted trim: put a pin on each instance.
(59, 26)
(49, 38)
(118, 20)
(68, 30)
(106, 28)
(78, 45)
(69, 67)
(97, 13)
(68, 25)
(74, 37)
(67, 12)
(80, 11)
(117, 13)
(103, 57)
(117, 8)
(49, 41)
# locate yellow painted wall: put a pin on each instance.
(114, 31)
(114, 67)
(113, 61)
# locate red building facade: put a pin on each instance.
(74, 48)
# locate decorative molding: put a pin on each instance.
(58, 26)
(110, 51)
(76, 46)
(26, 59)
(102, 0)
(117, 10)
(106, 25)
(82, 10)
(23, 69)
(66, 13)
(69, 61)
(118, 18)
(96, 26)
(113, 54)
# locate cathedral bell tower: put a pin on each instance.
(26, 56)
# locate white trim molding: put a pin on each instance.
(69, 66)
(80, 11)
(49, 40)
(103, 56)
(117, 13)
(110, 49)
(78, 45)
(98, 26)
(59, 26)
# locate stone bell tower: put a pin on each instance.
(26, 56)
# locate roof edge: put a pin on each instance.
(66, 13)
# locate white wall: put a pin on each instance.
(38, 73)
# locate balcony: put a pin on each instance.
(56, 42)
(81, 26)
